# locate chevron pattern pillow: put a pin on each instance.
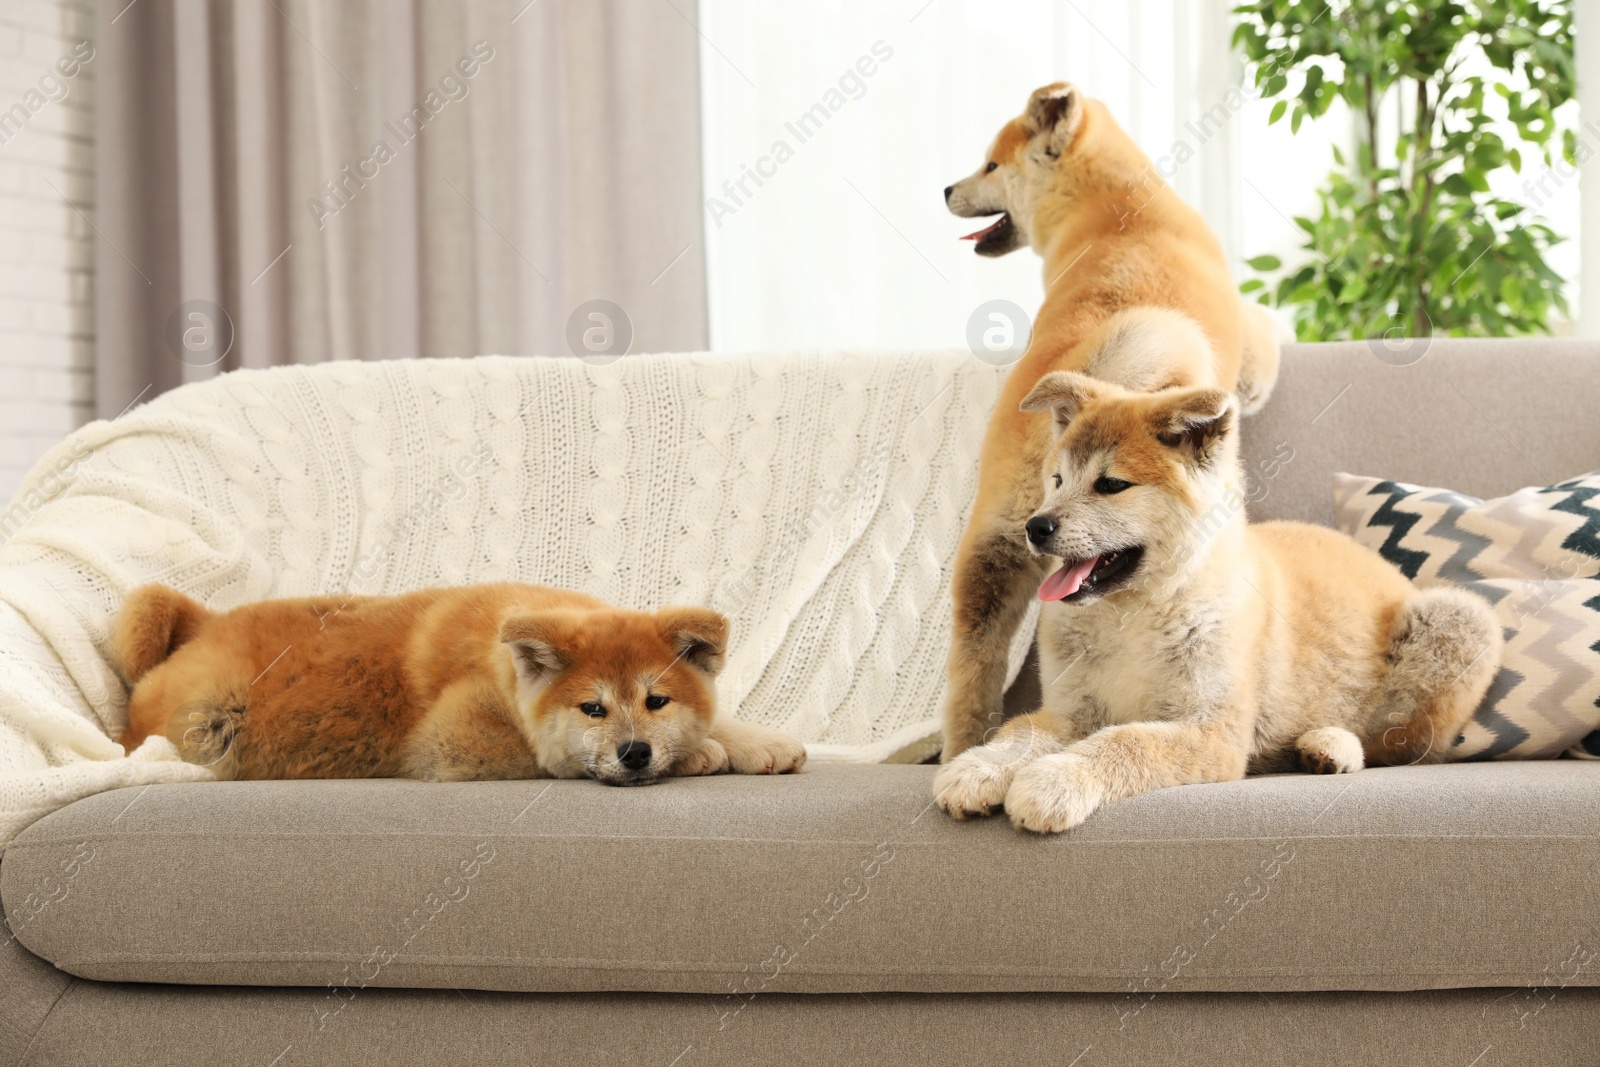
(1534, 555)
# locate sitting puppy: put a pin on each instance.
(1124, 257)
(477, 682)
(1180, 645)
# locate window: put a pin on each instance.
(825, 221)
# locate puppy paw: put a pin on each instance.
(709, 758)
(975, 782)
(756, 751)
(1053, 793)
(1330, 750)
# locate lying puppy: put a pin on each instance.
(477, 682)
(1180, 645)
(1118, 245)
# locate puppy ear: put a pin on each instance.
(1063, 393)
(539, 646)
(1196, 422)
(699, 636)
(1058, 110)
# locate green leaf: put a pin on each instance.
(1265, 263)
(1511, 293)
(1398, 223)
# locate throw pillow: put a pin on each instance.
(1534, 555)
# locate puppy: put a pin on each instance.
(1180, 645)
(1122, 254)
(476, 682)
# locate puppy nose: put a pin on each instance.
(1040, 527)
(634, 754)
(947, 190)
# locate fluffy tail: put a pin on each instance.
(153, 624)
(1444, 652)
(1265, 332)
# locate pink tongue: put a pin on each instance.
(986, 230)
(1066, 581)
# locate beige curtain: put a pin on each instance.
(380, 179)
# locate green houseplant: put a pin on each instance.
(1409, 238)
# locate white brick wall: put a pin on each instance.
(46, 247)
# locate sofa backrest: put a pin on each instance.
(1478, 416)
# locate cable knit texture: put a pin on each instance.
(815, 498)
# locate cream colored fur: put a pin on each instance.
(1230, 648)
(1137, 292)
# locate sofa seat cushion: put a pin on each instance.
(840, 879)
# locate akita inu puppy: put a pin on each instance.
(476, 682)
(1180, 645)
(1117, 242)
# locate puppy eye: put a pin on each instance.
(990, 167)
(1057, 477)
(1110, 486)
(593, 710)
(655, 702)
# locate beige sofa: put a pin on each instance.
(1432, 915)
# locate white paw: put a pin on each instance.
(1330, 750)
(709, 758)
(768, 752)
(975, 782)
(1053, 793)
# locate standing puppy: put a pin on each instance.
(1122, 254)
(1180, 645)
(474, 682)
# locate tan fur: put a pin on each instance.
(1229, 647)
(154, 622)
(1124, 257)
(466, 683)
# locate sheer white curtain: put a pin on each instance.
(1587, 47)
(834, 232)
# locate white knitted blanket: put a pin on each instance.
(815, 498)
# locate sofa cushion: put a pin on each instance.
(1441, 537)
(840, 879)
(32, 988)
(1534, 555)
(105, 1024)
(1545, 697)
